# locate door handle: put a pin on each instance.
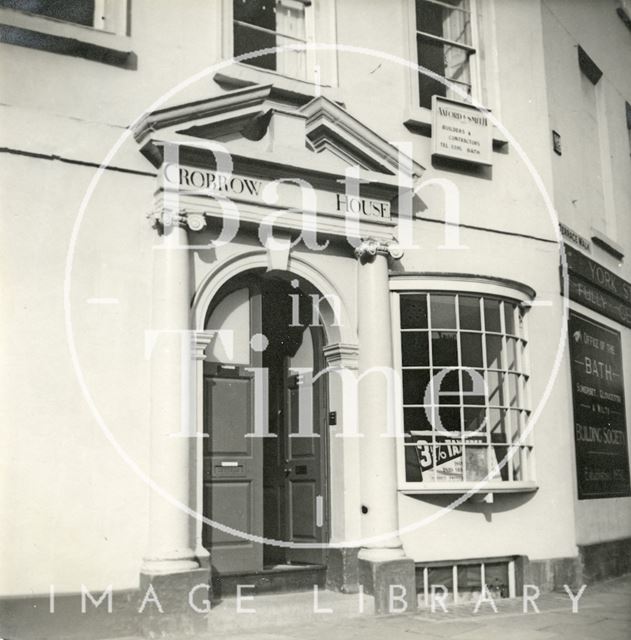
(287, 471)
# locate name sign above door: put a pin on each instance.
(285, 193)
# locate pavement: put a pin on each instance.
(603, 613)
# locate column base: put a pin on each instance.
(174, 603)
(392, 583)
(342, 570)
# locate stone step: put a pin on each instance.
(276, 579)
(285, 609)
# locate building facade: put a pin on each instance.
(314, 316)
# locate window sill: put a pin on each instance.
(47, 34)
(459, 488)
(299, 91)
(419, 120)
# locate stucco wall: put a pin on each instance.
(82, 517)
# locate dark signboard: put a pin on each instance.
(600, 433)
(598, 288)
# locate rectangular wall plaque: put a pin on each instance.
(598, 288)
(600, 432)
(461, 132)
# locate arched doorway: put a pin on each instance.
(273, 487)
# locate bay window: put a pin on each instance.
(444, 45)
(464, 389)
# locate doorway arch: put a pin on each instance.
(226, 279)
(338, 330)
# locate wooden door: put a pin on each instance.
(306, 504)
(233, 469)
(233, 462)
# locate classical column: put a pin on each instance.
(170, 567)
(169, 548)
(383, 564)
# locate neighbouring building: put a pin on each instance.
(311, 317)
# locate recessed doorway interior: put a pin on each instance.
(272, 487)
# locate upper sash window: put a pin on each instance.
(444, 46)
(104, 15)
(290, 25)
(266, 24)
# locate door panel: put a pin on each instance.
(306, 467)
(233, 469)
(229, 411)
(302, 498)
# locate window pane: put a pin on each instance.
(444, 348)
(439, 20)
(429, 87)
(492, 315)
(415, 382)
(469, 578)
(440, 576)
(443, 311)
(515, 424)
(76, 11)
(449, 382)
(469, 313)
(448, 457)
(447, 61)
(471, 349)
(475, 419)
(476, 463)
(415, 348)
(417, 419)
(500, 463)
(232, 313)
(498, 426)
(494, 352)
(495, 383)
(449, 418)
(259, 12)
(496, 577)
(473, 387)
(518, 463)
(511, 354)
(247, 40)
(509, 317)
(414, 312)
(514, 396)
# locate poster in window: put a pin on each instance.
(600, 432)
(439, 458)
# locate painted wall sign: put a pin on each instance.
(461, 132)
(598, 288)
(600, 432)
(286, 193)
(575, 238)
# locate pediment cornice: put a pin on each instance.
(251, 121)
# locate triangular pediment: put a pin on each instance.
(253, 122)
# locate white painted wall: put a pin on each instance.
(592, 185)
(62, 480)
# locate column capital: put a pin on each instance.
(165, 217)
(368, 248)
(200, 341)
(341, 355)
